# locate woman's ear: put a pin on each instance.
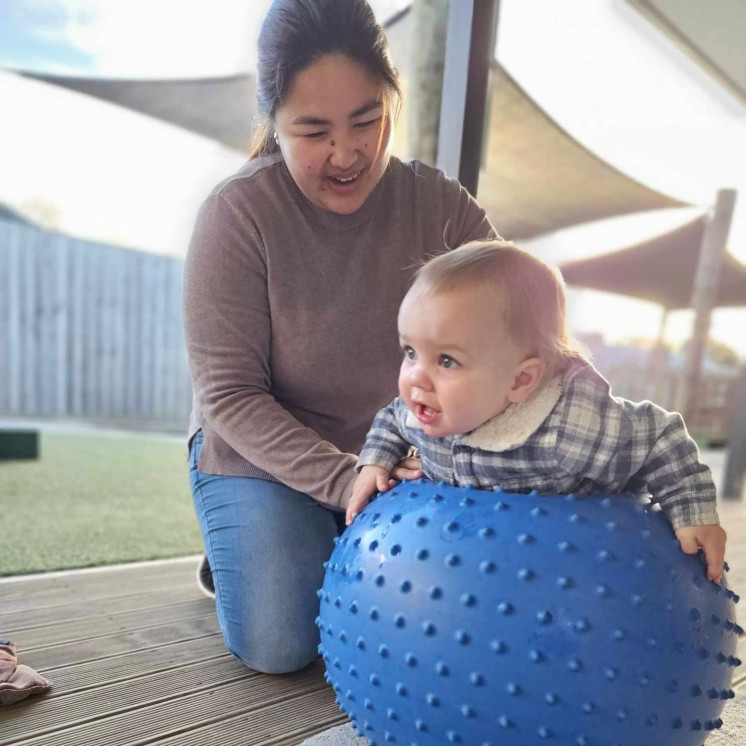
(528, 376)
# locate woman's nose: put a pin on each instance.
(343, 154)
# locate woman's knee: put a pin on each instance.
(267, 545)
(291, 655)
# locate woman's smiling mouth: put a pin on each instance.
(346, 180)
(344, 184)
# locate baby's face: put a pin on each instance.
(460, 364)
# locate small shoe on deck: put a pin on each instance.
(16, 681)
(204, 578)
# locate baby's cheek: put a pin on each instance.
(403, 385)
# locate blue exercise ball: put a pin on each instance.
(459, 616)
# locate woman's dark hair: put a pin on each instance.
(296, 33)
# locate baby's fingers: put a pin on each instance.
(401, 474)
(711, 539)
(715, 556)
(349, 515)
(384, 483)
(354, 507)
(688, 542)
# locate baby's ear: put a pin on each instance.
(528, 375)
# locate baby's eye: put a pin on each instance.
(448, 362)
(409, 353)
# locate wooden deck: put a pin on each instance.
(136, 658)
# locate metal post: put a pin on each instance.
(704, 293)
(735, 464)
(469, 54)
(429, 29)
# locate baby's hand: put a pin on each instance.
(711, 539)
(370, 480)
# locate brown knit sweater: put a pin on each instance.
(290, 317)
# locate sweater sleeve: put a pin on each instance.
(227, 326)
(467, 221)
(635, 446)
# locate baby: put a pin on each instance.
(493, 395)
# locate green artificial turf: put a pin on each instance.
(95, 499)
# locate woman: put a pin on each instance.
(292, 283)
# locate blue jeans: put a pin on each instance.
(266, 544)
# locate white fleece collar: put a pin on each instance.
(515, 425)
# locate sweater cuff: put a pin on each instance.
(681, 517)
(340, 496)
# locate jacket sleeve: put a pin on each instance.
(625, 445)
(384, 445)
(228, 331)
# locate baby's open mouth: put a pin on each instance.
(426, 415)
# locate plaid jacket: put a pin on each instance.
(570, 436)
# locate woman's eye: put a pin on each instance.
(447, 361)
(314, 135)
(362, 125)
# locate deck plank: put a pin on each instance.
(275, 725)
(44, 659)
(109, 670)
(57, 713)
(105, 624)
(173, 717)
(28, 619)
(37, 591)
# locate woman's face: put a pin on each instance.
(334, 130)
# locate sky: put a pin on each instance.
(137, 38)
(596, 67)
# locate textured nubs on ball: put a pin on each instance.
(471, 617)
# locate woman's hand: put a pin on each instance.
(408, 468)
(370, 480)
(711, 540)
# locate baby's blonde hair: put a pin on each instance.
(535, 308)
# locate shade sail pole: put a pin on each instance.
(735, 465)
(470, 49)
(658, 358)
(704, 293)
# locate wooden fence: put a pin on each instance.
(93, 332)
(90, 331)
(714, 406)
